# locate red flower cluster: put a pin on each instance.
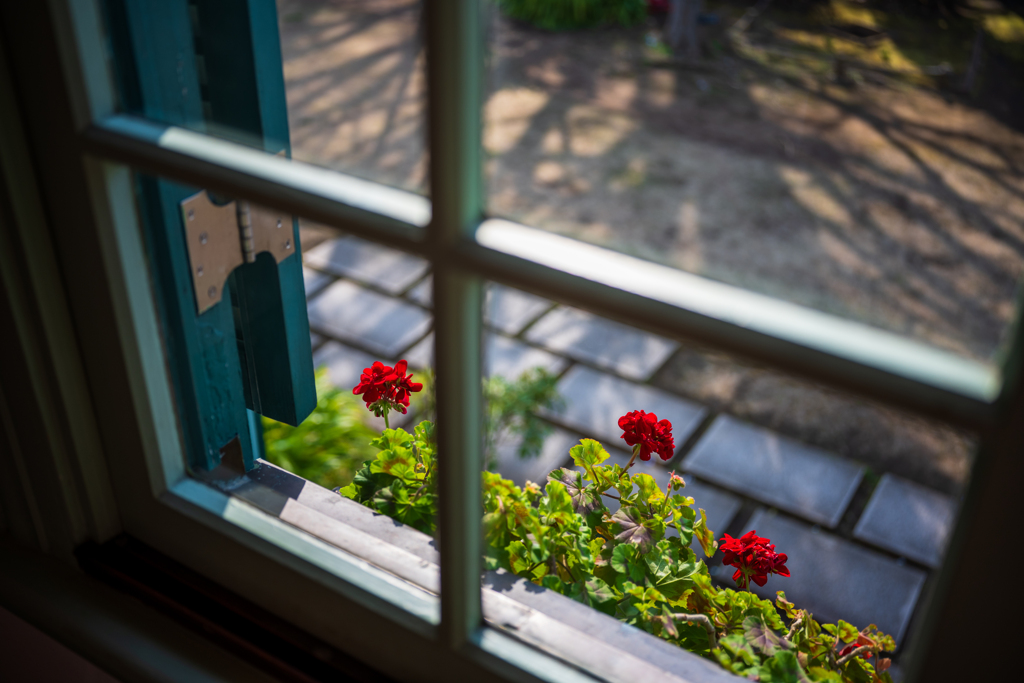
(386, 388)
(754, 557)
(644, 429)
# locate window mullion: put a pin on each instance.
(988, 515)
(454, 59)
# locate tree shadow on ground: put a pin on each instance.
(886, 202)
(354, 76)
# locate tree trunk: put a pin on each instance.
(683, 36)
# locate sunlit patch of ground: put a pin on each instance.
(885, 196)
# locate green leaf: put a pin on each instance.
(684, 521)
(558, 499)
(670, 570)
(624, 484)
(622, 557)
(847, 632)
(855, 671)
(739, 649)
(649, 491)
(787, 607)
(762, 638)
(599, 592)
(605, 477)
(660, 564)
(584, 500)
(704, 535)
(520, 557)
(783, 667)
(632, 529)
(588, 453)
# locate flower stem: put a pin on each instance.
(703, 621)
(636, 450)
(859, 650)
(794, 626)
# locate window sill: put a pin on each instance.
(552, 623)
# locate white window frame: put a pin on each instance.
(333, 594)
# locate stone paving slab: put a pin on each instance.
(423, 293)
(502, 356)
(719, 507)
(594, 402)
(625, 350)
(907, 519)
(421, 356)
(836, 579)
(314, 281)
(510, 358)
(506, 309)
(391, 270)
(553, 455)
(344, 366)
(382, 324)
(510, 310)
(806, 481)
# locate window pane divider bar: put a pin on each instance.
(454, 53)
(658, 298)
(358, 206)
(669, 301)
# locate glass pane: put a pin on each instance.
(355, 82)
(864, 159)
(860, 497)
(337, 84)
(366, 306)
(240, 356)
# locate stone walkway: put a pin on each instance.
(862, 548)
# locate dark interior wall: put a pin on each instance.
(27, 655)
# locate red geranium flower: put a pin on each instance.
(385, 388)
(403, 385)
(643, 430)
(754, 557)
(373, 384)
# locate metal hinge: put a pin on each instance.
(222, 237)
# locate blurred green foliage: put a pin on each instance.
(329, 447)
(557, 15)
(511, 411)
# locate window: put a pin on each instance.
(321, 587)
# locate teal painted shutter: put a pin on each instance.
(244, 91)
(251, 350)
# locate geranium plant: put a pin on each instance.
(635, 564)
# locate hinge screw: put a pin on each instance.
(203, 238)
(211, 292)
(288, 244)
(199, 271)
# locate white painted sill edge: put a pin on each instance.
(580, 636)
